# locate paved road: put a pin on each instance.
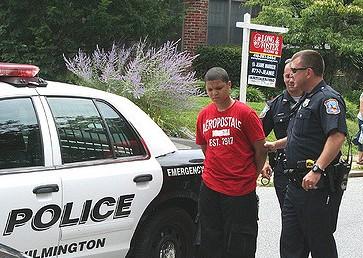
(349, 234)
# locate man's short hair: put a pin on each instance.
(216, 73)
(312, 59)
(287, 63)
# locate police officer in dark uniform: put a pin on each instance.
(317, 132)
(275, 116)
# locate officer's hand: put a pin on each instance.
(310, 180)
(271, 146)
(266, 171)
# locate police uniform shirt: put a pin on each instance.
(276, 115)
(320, 112)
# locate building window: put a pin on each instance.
(222, 18)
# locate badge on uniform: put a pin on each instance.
(306, 102)
(332, 106)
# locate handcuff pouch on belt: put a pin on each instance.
(343, 167)
(272, 158)
(278, 156)
(341, 172)
(337, 175)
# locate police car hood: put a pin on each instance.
(155, 139)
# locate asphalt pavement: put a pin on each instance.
(349, 232)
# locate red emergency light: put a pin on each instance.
(18, 70)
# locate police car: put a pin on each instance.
(85, 173)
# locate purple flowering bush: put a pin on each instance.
(159, 80)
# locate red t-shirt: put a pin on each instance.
(229, 166)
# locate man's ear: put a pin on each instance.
(311, 72)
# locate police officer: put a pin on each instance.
(317, 132)
(275, 116)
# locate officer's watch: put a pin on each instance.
(317, 169)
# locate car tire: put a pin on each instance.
(168, 234)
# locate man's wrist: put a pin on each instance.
(317, 169)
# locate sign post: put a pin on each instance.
(247, 27)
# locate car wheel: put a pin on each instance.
(168, 234)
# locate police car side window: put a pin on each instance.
(20, 141)
(82, 133)
(124, 139)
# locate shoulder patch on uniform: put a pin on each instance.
(332, 106)
(264, 111)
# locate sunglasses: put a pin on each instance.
(294, 70)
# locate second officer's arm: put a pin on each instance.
(276, 145)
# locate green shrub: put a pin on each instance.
(270, 93)
(227, 57)
(253, 94)
(159, 80)
(353, 96)
(352, 109)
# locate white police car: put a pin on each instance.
(85, 173)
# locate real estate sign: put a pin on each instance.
(264, 56)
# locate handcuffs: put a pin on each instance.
(265, 181)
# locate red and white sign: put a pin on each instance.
(264, 57)
(266, 43)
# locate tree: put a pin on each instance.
(334, 27)
(40, 32)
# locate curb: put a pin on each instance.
(356, 173)
(357, 170)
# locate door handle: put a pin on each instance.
(196, 160)
(143, 178)
(46, 189)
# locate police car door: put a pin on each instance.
(30, 192)
(107, 176)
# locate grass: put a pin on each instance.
(189, 117)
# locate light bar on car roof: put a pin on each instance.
(18, 70)
(21, 75)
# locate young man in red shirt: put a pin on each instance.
(231, 136)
